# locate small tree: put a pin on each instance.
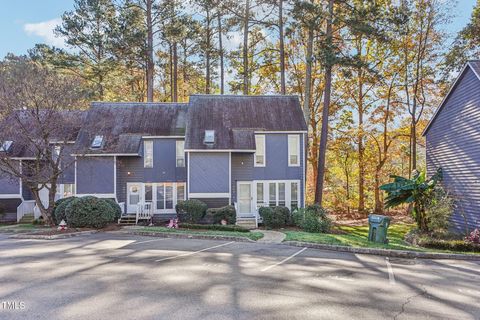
(38, 124)
(416, 191)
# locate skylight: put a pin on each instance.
(6, 146)
(209, 136)
(97, 142)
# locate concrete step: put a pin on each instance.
(27, 219)
(248, 223)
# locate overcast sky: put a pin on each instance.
(26, 22)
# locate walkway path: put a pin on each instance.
(270, 236)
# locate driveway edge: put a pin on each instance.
(51, 237)
(189, 236)
(385, 252)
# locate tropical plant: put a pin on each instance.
(416, 191)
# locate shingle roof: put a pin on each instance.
(123, 125)
(235, 118)
(472, 64)
(63, 125)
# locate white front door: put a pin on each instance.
(244, 198)
(134, 196)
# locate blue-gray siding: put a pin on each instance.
(276, 167)
(453, 143)
(95, 175)
(9, 184)
(164, 167)
(209, 172)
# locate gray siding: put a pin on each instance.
(214, 202)
(10, 206)
(9, 184)
(276, 164)
(95, 175)
(453, 143)
(209, 172)
(164, 167)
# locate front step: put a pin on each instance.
(27, 219)
(248, 223)
(127, 220)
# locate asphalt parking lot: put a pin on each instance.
(119, 276)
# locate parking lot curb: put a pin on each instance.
(51, 237)
(189, 236)
(385, 252)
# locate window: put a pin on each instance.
(68, 190)
(294, 150)
(281, 194)
(209, 136)
(97, 142)
(294, 196)
(6, 146)
(260, 197)
(148, 193)
(260, 151)
(160, 196)
(169, 196)
(180, 192)
(134, 195)
(272, 194)
(180, 151)
(148, 154)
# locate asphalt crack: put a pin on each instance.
(408, 300)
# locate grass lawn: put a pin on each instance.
(357, 237)
(251, 235)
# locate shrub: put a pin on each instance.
(227, 213)
(473, 237)
(2, 210)
(275, 217)
(89, 212)
(192, 210)
(217, 227)
(438, 209)
(312, 219)
(116, 208)
(452, 245)
(60, 207)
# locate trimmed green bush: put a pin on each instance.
(115, 207)
(274, 218)
(226, 213)
(89, 212)
(192, 210)
(2, 210)
(452, 245)
(217, 227)
(60, 207)
(312, 219)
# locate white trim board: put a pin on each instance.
(98, 195)
(220, 150)
(106, 155)
(10, 196)
(163, 137)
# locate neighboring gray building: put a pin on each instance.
(453, 143)
(248, 151)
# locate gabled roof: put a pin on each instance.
(235, 119)
(63, 125)
(474, 65)
(122, 125)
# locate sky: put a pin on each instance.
(23, 23)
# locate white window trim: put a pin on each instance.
(255, 164)
(179, 156)
(155, 185)
(145, 164)
(297, 137)
(266, 192)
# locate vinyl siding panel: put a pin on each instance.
(10, 206)
(164, 167)
(95, 175)
(276, 168)
(214, 202)
(209, 172)
(453, 143)
(9, 184)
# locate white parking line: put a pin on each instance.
(149, 241)
(284, 260)
(391, 276)
(192, 253)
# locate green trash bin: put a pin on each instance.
(378, 225)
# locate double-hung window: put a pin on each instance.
(180, 152)
(293, 150)
(148, 154)
(260, 151)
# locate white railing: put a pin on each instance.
(36, 212)
(122, 207)
(26, 207)
(144, 211)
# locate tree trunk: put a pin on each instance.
(308, 77)
(282, 47)
(325, 112)
(246, 19)
(170, 62)
(413, 153)
(361, 150)
(220, 52)
(150, 64)
(207, 53)
(378, 202)
(175, 73)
